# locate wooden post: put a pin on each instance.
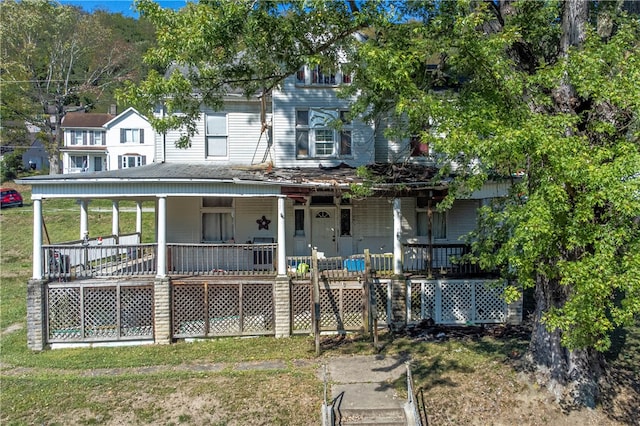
(316, 298)
(366, 312)
(430, 237)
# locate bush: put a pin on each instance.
(11, 165)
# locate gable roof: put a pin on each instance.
(84, 120)
(123, 115)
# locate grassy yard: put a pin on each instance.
(466, 380)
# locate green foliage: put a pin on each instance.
(11, 165)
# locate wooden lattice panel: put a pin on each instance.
(456, 302)
(100, 312)
(63, 314)
(257, 308)
(189, 310)
(224, 309)
(490, 307)
(330, 309)
(352, 308)
(381, 300)
(136, 311)
(301, 307)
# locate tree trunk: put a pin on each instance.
(571, 375)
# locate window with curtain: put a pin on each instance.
(438, 223)
(217, 227)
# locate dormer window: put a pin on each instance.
(321, 76)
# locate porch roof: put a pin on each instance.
(260, 175)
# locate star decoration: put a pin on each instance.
(263, 223)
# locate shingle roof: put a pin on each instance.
(84, 120)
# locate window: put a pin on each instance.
(96, 138)
(216, 134)
(321, 76)
(302, 133)
(299, 222)
(131, 136)
(345, 222)
(77, 137)
(418, 148)
(217, 219)
(217, 227)
(438, 224)
(128, 161)
(78, 162)
(318, 135)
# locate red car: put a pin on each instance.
(10, 198)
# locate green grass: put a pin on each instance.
(464, 381)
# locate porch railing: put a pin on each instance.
(221, 259)
(62, 262)
(437, 259)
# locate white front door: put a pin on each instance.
(323, 230)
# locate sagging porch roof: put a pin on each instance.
(413, 176)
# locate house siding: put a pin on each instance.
(293, 97)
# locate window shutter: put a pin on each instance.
(144, 160)
(84, 138)
(141, 135)
(119, 161)
(121, 135)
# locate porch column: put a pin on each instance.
(115, 222)
(36, 286)
(139, 218)
(282, 286)
(282, 252)
(162, 236)
(84, 219)
(397, 233)
(37, 239)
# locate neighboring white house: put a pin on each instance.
(95, 142)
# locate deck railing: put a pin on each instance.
(221, 259)
(124, 256)
(62, 262)
(437, 259)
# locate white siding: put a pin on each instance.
(183, 220)
(248, 211)
(245, 143)
(373, 225)
(292, 97)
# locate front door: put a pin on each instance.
(323, 230)
(97, 164)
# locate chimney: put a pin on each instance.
(113, 110)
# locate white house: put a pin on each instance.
(95, 142)
(265, 183)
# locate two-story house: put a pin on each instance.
(94, 142)
(256, 206)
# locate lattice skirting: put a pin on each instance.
(456, 301)
(206, 309)
(99, 312)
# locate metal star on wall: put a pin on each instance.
(263, 223)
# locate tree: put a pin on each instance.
(543, 94)
(54, 58)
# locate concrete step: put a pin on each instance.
(372, 416)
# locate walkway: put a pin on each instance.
(363, 389)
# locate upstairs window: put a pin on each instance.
(321, 76)
(418, 148)
(131, 160)
(216, 135)
(97, 138)
(131, 136)
(317, 135)
(77, 137)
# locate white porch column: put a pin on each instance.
(139, 218)
(162, 236)
(397, 233)
(115, 223)
(37, 239)
(84, 219)
(282, 251)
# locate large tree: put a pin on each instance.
(542, 93)
(53, 58)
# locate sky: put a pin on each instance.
(119, 6)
